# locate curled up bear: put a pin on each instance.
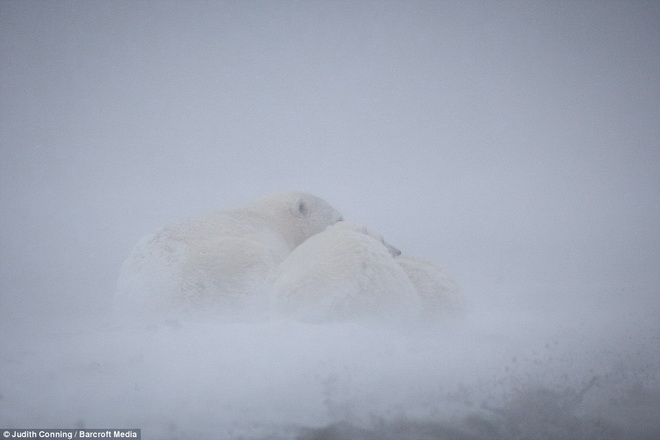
(345, 273)
(221, 262)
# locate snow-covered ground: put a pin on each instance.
(564, 370)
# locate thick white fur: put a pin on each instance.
(437, 290)
(221, 261)
(345, 273)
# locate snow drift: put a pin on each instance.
(504, 371)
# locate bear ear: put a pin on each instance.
(301, 207)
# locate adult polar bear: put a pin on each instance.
(223, 261)
(348, 272)
(345, 273)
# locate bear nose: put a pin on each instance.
(393, 251)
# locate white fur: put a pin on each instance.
(345, 273)
(221, 261)
(439, 293)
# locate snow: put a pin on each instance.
(501, 371)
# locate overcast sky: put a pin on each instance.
(516, 143)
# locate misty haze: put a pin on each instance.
(515, 144)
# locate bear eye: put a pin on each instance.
(302, 207)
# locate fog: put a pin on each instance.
(515, 143)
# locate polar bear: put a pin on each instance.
(345, 273)
(220, 262)
(437, 290)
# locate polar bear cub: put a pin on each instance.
(345, 273)
(437, 290)
(222, 261)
